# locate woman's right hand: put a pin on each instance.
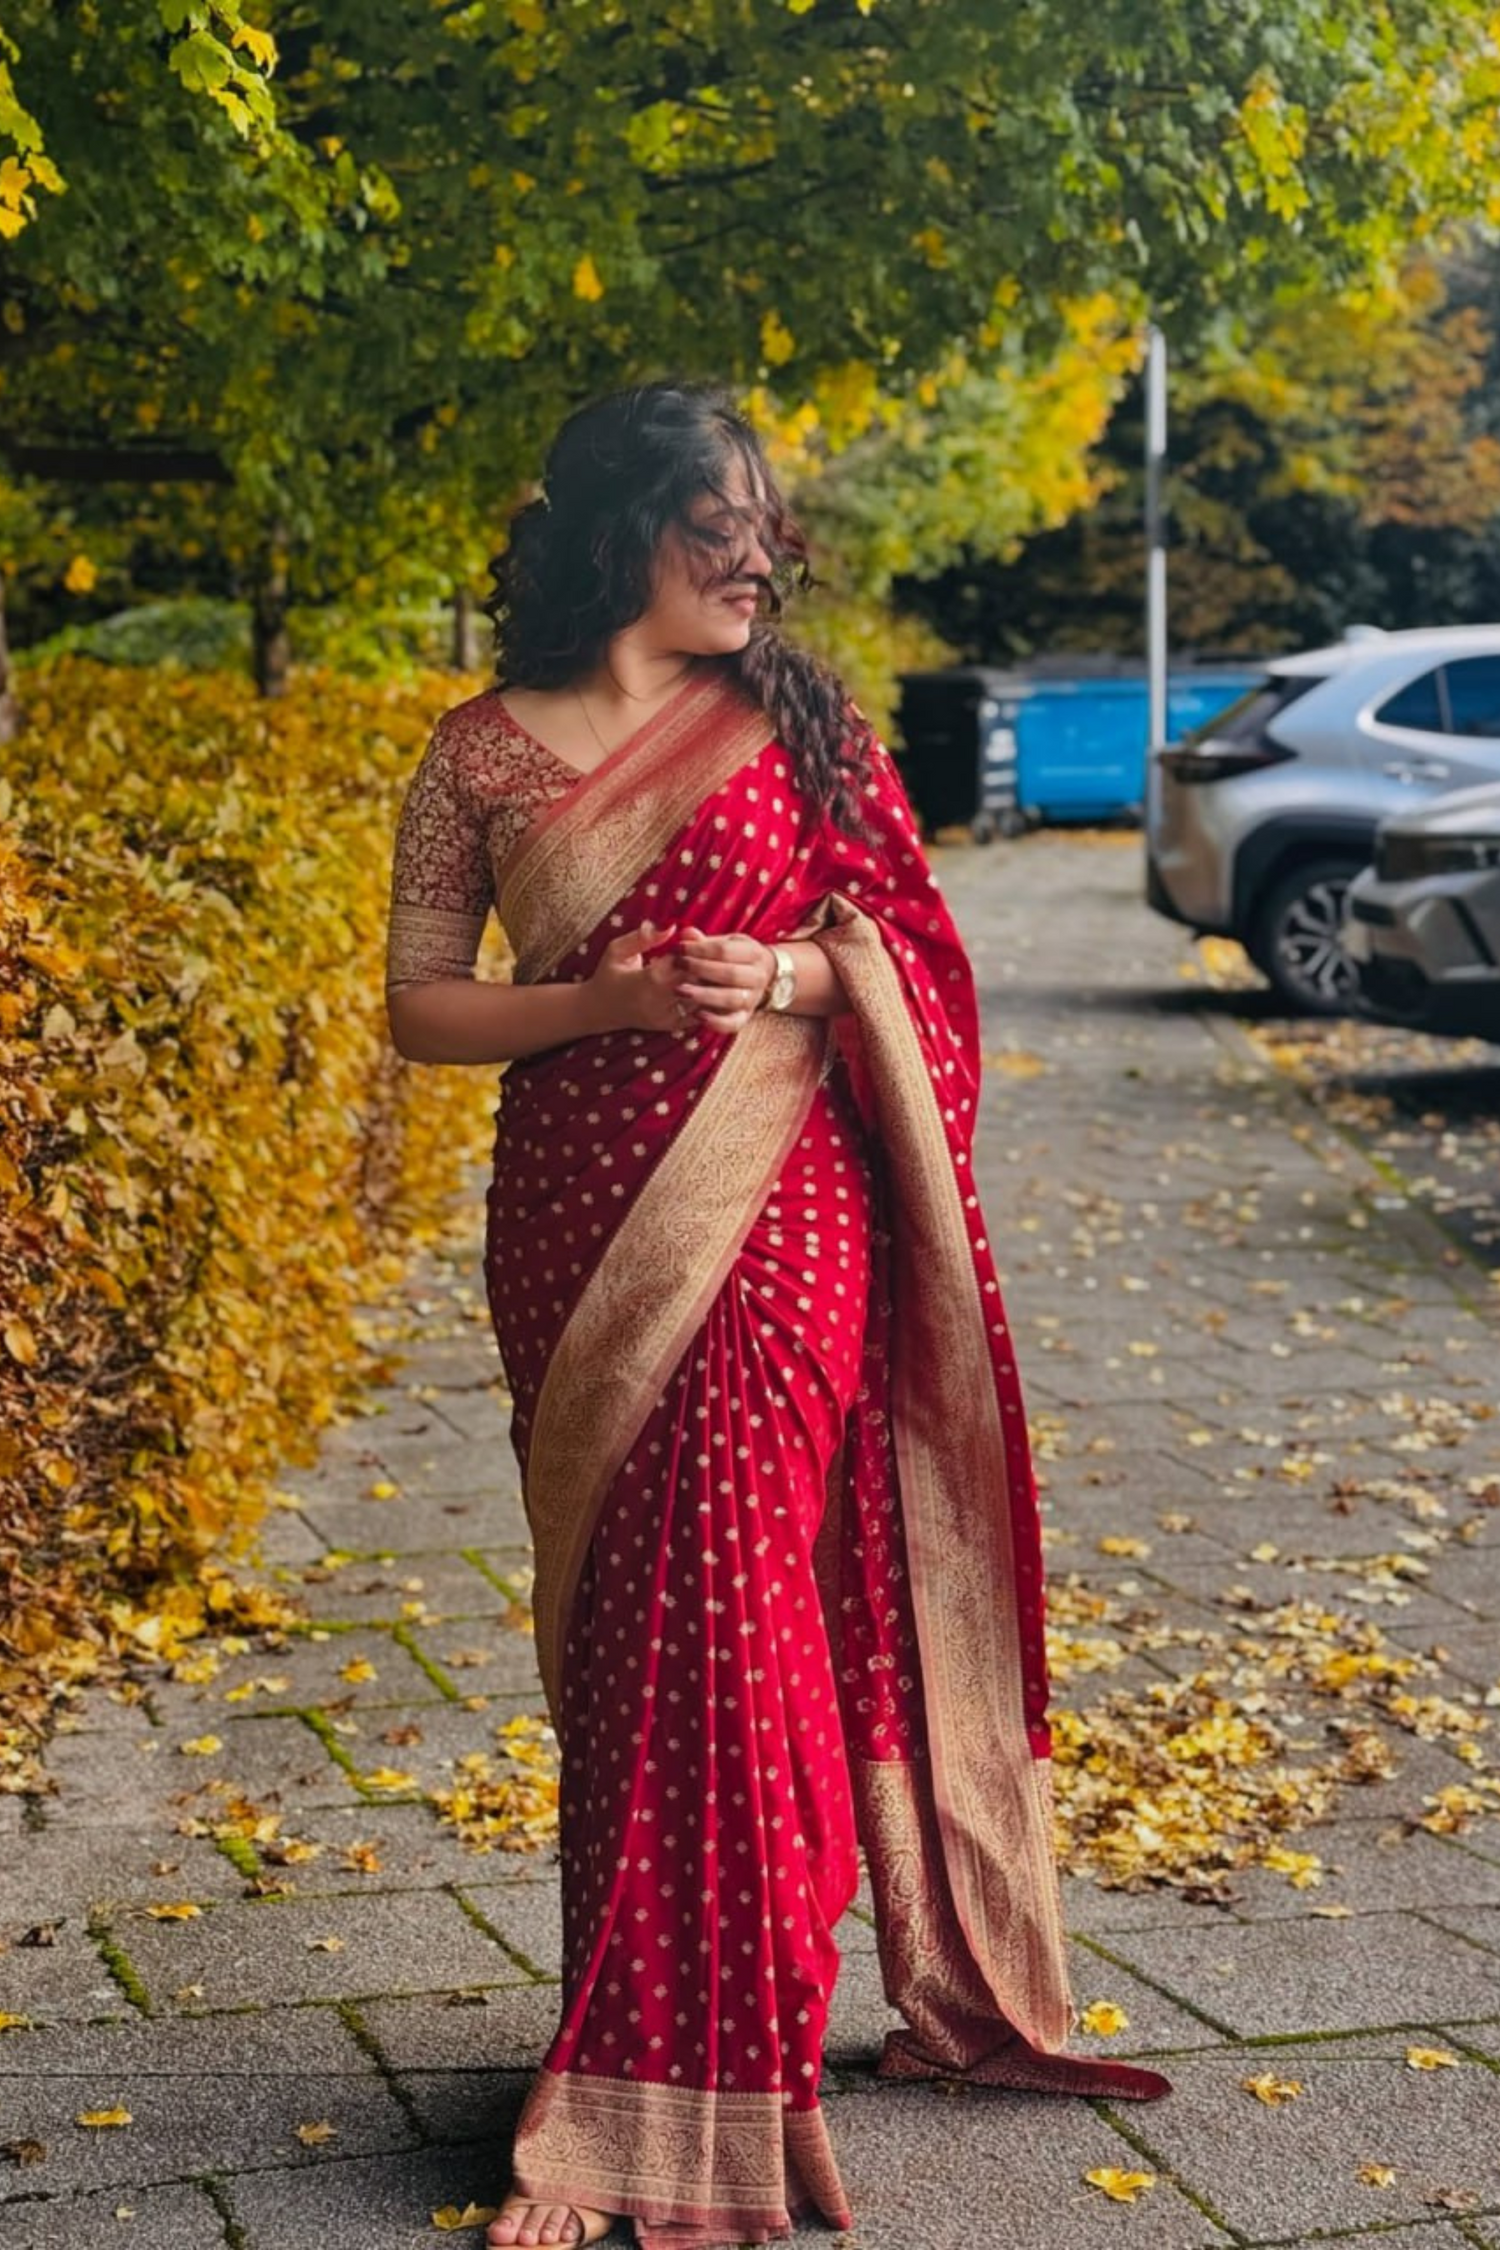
(634, 987)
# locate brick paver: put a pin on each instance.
(1205, 1278)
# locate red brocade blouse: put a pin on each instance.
(481, 781)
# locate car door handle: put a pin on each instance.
(1418, 769)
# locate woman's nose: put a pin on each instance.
(756, 562)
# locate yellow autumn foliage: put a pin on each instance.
(210, 1154)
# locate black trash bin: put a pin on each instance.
(958, 748)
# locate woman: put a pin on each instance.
(774, 1457)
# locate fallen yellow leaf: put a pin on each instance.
(358, 1668)
(1105, 2018)
(384, 1490)
(1302, 1869)
(1430, 2058)
(1118, 1543)
(1271, 2090)
(1120, 2187)
(181, 1910)
(325, 1945)
(312, 2134)
(10, 2022)
(1376, 2175)
(388, 1777)
(202, 1746)
(449, 2219)
(120, 2116)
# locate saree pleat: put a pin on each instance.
(707, 1816)
(775, 1464)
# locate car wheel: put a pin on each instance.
(1294, 940)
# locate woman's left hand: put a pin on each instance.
(727, 977)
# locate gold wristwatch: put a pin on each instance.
(777, 997)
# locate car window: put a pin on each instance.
(1474, 695)
(1245, 718)
(1418, 704)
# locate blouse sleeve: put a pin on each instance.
(442, 886)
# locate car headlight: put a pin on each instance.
(1401, 857)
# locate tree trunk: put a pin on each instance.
(10, 716)
(271, 646)
(465, 647)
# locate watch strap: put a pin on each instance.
(781, 990)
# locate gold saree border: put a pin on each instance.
(683, 2153)
(927, 1966)
(569, 867)
(993, 1803)
(649, 1291)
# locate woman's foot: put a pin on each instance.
(523, 2221)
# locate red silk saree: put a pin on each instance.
(774, 1455)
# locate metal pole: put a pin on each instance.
(1156, 542)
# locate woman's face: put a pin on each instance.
(705, 597)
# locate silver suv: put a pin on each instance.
(1256, 822)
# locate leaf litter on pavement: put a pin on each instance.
(1427, 1108)
(1186, 1781)
(1246, 1712)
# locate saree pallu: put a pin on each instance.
(788, 1584)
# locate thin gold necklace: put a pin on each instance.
(660, 696)
(621, 689)
(588, 716)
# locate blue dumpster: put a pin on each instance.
(1010, 749)
(1081, 742)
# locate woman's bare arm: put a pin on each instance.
(635, 987)
(456, 1020)
(820, 988)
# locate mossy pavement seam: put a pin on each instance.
(481, 1921)
(119, 1964)
(367, 2043)
(1138, 2139)
(1164, 1991)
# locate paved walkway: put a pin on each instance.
(1252, 1368)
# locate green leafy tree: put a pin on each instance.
(1332, 460)
(332, 276)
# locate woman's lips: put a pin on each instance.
(746, 598)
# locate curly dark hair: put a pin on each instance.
(578, 565)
